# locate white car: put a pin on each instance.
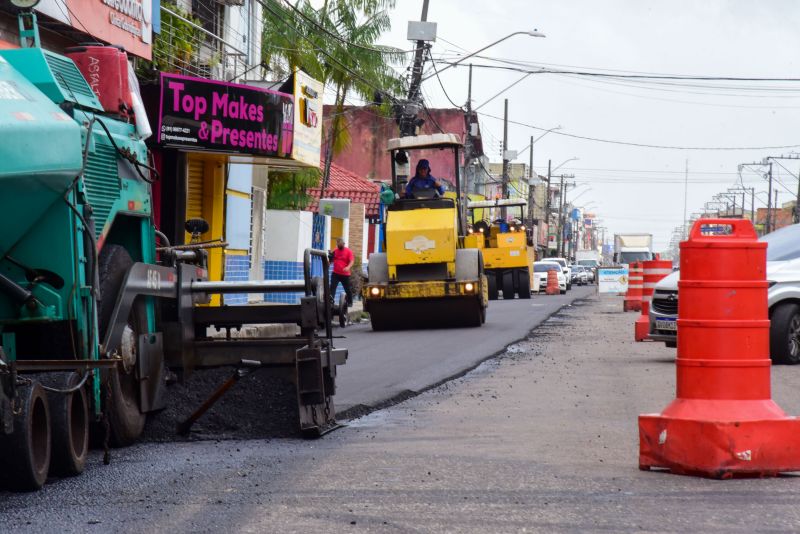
(540, 270)
(564, 267)
(783, 298)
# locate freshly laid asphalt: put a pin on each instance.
(387, 366)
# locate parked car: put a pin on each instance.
(564, 267)
(579, 274)
(540, 270)
(783, 298)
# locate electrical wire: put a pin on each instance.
(640, 145)
(625, 74)
(433, 63)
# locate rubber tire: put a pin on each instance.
(69, 427)
(563, 291)
(508, 285)
(671, 344)
(491, 279)
(780, 334)
(25, 453)
(124, 416)
(523, 284)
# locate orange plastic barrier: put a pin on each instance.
(723, 422)
(633, 297)
(552, 283)
(654, 271)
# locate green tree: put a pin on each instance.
(287, 189)
(336, 44)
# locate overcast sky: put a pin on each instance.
(632, 189)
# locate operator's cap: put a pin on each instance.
(423, 164)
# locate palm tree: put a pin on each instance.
(336, 44)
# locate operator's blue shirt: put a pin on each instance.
(417, 182)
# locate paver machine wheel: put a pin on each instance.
(69, 414)
(25, 452)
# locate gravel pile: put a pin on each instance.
(260, 405)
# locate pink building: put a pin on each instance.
(366, 156)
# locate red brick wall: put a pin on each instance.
(355, 241)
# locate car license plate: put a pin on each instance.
(667, 324)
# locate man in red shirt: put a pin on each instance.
(343, 260)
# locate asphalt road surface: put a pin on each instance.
(386, 366)
(542, 438)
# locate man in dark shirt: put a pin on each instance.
(423, 180)
(343, 260)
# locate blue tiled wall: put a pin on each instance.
(283, 270)
(237, 269)
(290, 270)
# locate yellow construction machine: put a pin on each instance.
(425, 278)
(496, 229)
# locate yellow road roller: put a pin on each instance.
(426, 278)
(495, 226)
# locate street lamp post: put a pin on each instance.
(532, 33)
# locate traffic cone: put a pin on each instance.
(723, 421)
(552, 284)
(653, 271)
(633, 297)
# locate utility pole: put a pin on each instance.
(560, 242)
(775, 211)
(562, 215)
(469, 174)
(408, 115)
(547, 206)
(504, 192)
(769, 201)
(531, 174)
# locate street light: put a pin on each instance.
(529, 145)
(582, 192)
(563, 163)
(532, 33)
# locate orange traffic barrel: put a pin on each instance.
(653, 272)
(552, 283)
(723, 421)
(633, 297)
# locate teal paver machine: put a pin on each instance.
(92, 317)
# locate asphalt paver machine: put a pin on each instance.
(426, 278)
(495, 227)
(93, 316)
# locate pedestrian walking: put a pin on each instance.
(343, 260)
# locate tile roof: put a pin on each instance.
(347, 184)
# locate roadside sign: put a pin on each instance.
(612, 280)
(552, 244)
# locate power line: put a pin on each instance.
(640, 145)
(624, 74)
(440, 82)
